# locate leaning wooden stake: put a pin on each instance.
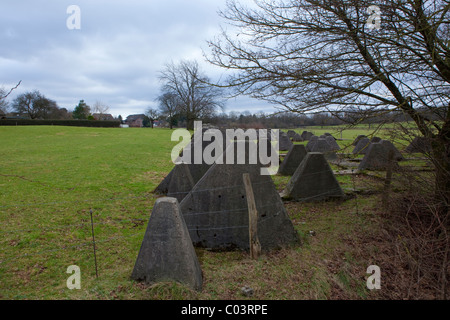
(255, 246)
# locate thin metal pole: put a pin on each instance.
(93, 242)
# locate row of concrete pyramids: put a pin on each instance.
(418, 145)
(213, 202)
(208, 208)
(312, 177)
(377, 153)
(214, 215)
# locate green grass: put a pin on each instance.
(52, 177)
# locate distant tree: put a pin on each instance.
(146, 122)
(81, 111)
(152, 115)
(100, 107)
(49, 108)
(169, 106)
(197, 98)
(34, 104)
(4, 105)
(120, 118)
(58, 113)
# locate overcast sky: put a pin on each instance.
(116, 54)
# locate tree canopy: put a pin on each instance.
(334, 55)
(196, 98)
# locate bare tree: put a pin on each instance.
(153, 115)
(196, 96)
(34, 104)
(332, 55)
(100, 107)
(169, 105)
(4, 105)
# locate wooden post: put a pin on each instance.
(255, 246)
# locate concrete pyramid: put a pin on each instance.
(291, 133)
(285, 143)
(323, 146)
(296, 137)
(163, 187)
(216, 211)
(312, 141)
(292, 160)
(419, 145)
(332, 142)
(375, 139)
(355, 142)
(196, 172)
(377, 156)
(181, 182)
(166, 251)
(313, 180)
(390, 146)
(306, 135)
(362, 146)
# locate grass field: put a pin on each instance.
(51, 178)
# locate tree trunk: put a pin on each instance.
(441, 158)
(190, 124)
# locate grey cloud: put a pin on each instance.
(116, 55)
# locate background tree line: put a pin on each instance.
(34, 105)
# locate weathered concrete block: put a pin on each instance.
(377, 156)
(291, 133)
(306, 135)
(166, 252)
(297, 138)
(313, 180)
(375, 139)
(419, 145)
(292, 160)
(312, 141)
(322, 145)
(362, 146)
(181, 182)
(285, 143)
(163, 187)
(196, 170)
(355, 142)
(216, 211)
(333, 144)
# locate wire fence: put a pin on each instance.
(120, 227)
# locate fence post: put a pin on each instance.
(255, 246)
